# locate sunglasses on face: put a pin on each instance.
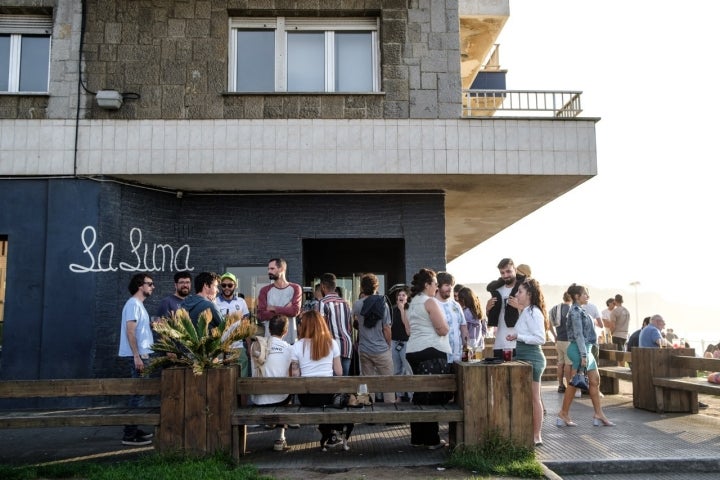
(227, 285)
(149, 284)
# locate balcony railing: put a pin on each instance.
(485, 103)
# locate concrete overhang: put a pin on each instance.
(476, 206)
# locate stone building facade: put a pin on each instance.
(194, 172)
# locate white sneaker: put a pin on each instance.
(578, 393)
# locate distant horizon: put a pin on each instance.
(686, 321)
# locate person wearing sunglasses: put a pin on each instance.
(229, 302)
(136, 341)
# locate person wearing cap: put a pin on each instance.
(228, 302)
(524, 270)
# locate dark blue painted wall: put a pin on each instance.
(49, 311)
(64, 297)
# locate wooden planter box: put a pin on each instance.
(496, 398)
(195, 410)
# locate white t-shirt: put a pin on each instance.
(310, 367)
(277, 364)
(594, 313)
(235, 304)
(134, 310)
(502, 329)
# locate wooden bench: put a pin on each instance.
(693, 383)
(86, 416)
(487, 398)
(378, 413)
(610, 372)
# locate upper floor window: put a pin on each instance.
(304, 55)
(25, 53)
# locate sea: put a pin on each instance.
(689, 322)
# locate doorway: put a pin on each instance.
(349, 258)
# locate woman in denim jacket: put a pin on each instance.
(581, 334)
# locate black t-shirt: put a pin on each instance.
(398, 329)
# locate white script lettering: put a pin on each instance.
(156, 258)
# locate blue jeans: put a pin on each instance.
(135, 400)
(400, 363)
(345, 362)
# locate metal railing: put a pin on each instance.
(483, 103)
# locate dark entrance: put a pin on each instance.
(348, 259)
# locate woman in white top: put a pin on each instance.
(530, 335)
(427, 351)
(315, 354)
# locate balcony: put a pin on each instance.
(526, 103)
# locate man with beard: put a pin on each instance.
(502, 308)
(279, 298)
(229, 302)
(136, 340)
(170, 304)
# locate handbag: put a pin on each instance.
(340, 400)
(580, 379)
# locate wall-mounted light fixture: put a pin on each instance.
(109, 99)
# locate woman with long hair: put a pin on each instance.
(477, 327)
(530, 335)
(581, 335)
(315, 354)
(427, 351)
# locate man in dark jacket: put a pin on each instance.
(206, 284)
(502, 308)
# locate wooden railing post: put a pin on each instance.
(495, 398)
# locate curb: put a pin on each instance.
(638, 465)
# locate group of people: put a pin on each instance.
(279, 298)
(517, 310)
(425, 331)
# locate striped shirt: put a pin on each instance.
(337, 314)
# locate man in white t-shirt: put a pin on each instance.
(606, 315)
(453, 315)
(229, 302)
(136, 340)
(502, 308)
(277, 364)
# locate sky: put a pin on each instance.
(649, 71)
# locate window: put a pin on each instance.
(249, 282)
(24, 53)
(304, 55)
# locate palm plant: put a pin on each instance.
(199, 346)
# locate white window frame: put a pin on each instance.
(17, 26)
(283, 25)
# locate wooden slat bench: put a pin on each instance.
(378, 413)
(691, 383)
(78, 417)
(609, 370)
